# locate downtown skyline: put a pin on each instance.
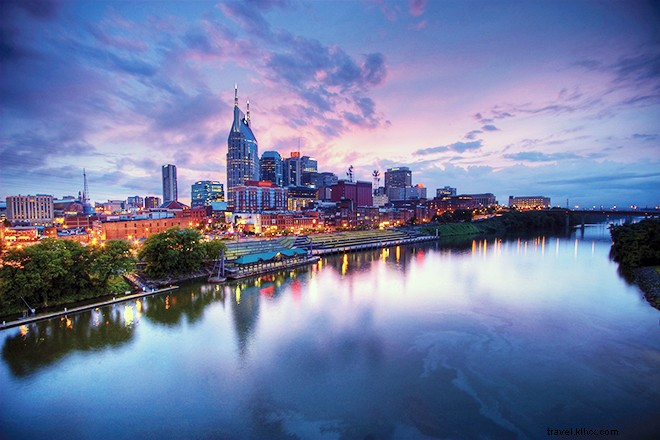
(559, 99)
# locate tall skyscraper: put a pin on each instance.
(242, 150)
(270, 166)
(170, 192)
(203, 192)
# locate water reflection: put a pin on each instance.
(188, 302)
(401, 342)
(42, 343)
(114, 325)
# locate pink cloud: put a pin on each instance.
(416, 7)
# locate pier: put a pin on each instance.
(66, 311)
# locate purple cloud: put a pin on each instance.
(473, 134)
(459, 147)
(189, 111)
(373, 68)
(645, 137)
(416, 7)
(537, 156)
(41, 9)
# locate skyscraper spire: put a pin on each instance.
(242, 151)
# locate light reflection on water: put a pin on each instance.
(493, 338)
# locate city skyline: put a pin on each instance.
(515, 98)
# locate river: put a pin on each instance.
(486, 339)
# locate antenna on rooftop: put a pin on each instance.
(85, 197)
(87, 207)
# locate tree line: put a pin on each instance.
(55, 272)
(636, 244)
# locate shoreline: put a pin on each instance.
(648, 280)
(66, 311)
(140, 282)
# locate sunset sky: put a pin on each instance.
(554, 98)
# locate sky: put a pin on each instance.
(553, 98)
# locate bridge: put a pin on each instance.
(646, 212)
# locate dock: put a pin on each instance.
(67, 311)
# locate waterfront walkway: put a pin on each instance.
(323, 244)
(117, 299)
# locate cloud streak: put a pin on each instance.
(459, 147)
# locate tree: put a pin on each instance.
(58, 271)
(637, 244)
(173, 252)
(113, 258)
(213, 249)
(45, 272)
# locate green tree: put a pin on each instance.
(213, 249)
(173, 252)
(110, 260)
(637, 244)
(46, 272)
(60, 271)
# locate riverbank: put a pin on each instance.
(648, 280)
(67, 311)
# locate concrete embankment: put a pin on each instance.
(73, 310)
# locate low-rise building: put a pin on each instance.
(142, 226)
(529, 202)
(30, 210)
(359, 193)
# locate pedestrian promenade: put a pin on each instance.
(66, 311)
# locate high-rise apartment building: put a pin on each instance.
(309, 172)
(255, 196)
(204, 192)
(170, 191)
(31, 210)
(300, 170)
(270, 167)
(399, 177)
(242, 150)
(151, 202)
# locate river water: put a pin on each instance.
(486, 339)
